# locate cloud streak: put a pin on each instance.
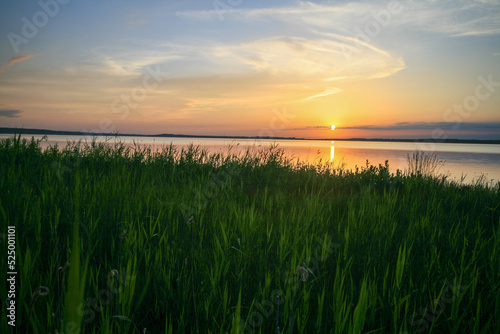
(14, 60)
(294, 69)
(10, 113)
(402, 126)
(453, 18)
(326, 92)
(428, 126)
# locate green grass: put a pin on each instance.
(273, 246)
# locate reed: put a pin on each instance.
(274, 245)
(422, 163)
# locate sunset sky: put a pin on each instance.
(392, 69)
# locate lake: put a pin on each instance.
(469, 161)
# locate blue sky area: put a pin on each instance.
(395, 69)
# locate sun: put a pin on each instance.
(333, 127)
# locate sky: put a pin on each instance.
(374, 69)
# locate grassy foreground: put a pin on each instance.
(116, 240)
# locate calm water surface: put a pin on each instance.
(459, 160)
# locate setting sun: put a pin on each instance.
(333, 127)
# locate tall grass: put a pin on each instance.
(383, 252)
(422, 163)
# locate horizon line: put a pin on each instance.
(34, 131)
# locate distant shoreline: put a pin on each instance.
(168, 135)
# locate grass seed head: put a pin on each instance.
(303, 274)
(65, 268)
(40, 291)
(113, 274)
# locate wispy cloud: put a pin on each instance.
(134, 57)
(223, 73)
(14, 60)
(326, 92)
(10, 113)
(427, 126)
(311, 127)
(454, 18)
(320, 58)
(302, 9)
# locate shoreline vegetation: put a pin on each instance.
(113, 238)
(15, 131)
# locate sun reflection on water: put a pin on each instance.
(332, 151)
